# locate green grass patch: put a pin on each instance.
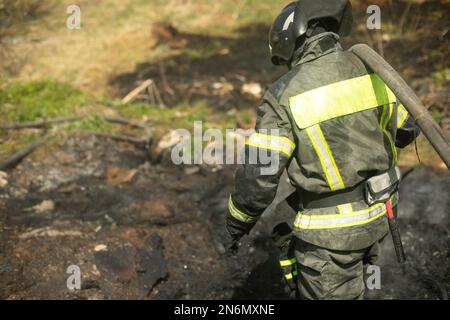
(21, 102)
(39, 99)
(181, 116)
(437, 115)
(442, 75)
(91, 123)
(177, 117)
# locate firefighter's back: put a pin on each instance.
(340, 114)
(342, 131)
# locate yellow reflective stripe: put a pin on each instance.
(343, 225)
(272, 148)
(393, 148)
(339, 99)
(385, 118)
(333, 221)
(285, 263)
(289, 276)
(276, 143)
(402, 114)
(340, 215)
(239, 215)
(388, 135)
(345, 208)
(382, 117)
(326, 158)
(389, 117)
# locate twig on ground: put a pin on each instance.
(156, 97)
(14, 159)
(124, 138)
(136, 91)
(40, 123)
(165, 84)
(125, 121)
(144, 142)
(148, 86)
(45, 123)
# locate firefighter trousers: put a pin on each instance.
(331, 274)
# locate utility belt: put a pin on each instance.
(377, 189)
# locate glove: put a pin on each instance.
(235, 231)
(231, 246)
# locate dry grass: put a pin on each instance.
(13, 13)
(115, 35)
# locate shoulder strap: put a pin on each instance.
(394, 120)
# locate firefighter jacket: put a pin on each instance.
(329, 122)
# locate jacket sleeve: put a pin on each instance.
(407, 130)
(256, 182)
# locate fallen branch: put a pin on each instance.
(13, 160)
(143, 143)
(135, 92)
(140, 142)
(125, 121)
(51, 233)
(45, 123)
(135, 124)
(152, 92)
(40, 123)
(162, 72)
(155, 97)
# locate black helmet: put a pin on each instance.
(294, 22)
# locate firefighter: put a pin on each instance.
(338, 127)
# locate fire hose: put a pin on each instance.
(409, 99)
(423, 119)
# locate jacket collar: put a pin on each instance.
(316, 47)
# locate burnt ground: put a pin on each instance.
(144, 231)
